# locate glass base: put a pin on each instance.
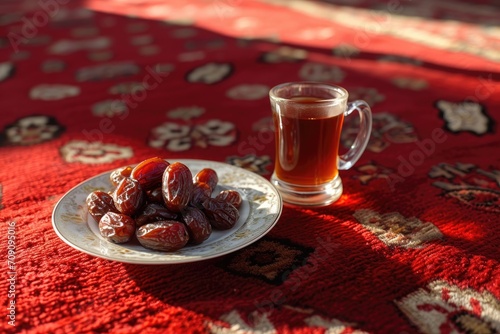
(318, 195)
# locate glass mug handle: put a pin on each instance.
(357, 148)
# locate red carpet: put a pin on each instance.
(411, 247)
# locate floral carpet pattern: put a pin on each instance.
(412, 246)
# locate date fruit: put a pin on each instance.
(155, 196)
(128, 196)
(177, 186)
(198, 226)
(167, 235)
(149, 172)
(119, 174)
(221, 215)
(231, 196)
(117, 227)
(201, 191)
(154, 212)
(164, 205)
(208, 176)
(99, 203)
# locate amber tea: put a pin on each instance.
(309, 139)
(308, 119)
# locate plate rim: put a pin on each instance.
(58, 206)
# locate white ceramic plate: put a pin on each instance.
(259, 212)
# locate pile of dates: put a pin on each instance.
(163, 205)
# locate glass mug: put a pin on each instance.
(308, 118)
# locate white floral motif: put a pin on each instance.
(284, 54)
(387, 129)
(218, 133)
(264, 124)
(109, 108)
(261, 324)
(321, 72)
(186, 113)
(94, 152)
(444, 308)
(210, 73)
(6, 70)
(346, 50)
(163, 68)
(141, 40)
(66, 15)
(191, 56)
(395, 230)
(127, 87)
(332, 326)
(368, 94)
(251, 162)
(67, 46)
(465, 116)
(248, 92)
(103, 55)
(171, 135)
(32, 130)
(372, 171)
(106, 71)
(400, 59)
(85, 31)
(177, 137)
(184, 33)
(149, 50)
(53, 66)
(469, 185)
(48, 92)
(410, 83)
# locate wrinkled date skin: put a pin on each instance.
(149, 172)
(208, 176)
(198, 226)
(177, 186)
(119, 174)
(167, 235)
(221, 215)
(154, 212)
(99, 203)
(128, 196)
(155, 196)
(231, 196)
(116, 227)
(163, 205)
(201, 192)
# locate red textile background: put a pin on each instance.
(412, 245)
